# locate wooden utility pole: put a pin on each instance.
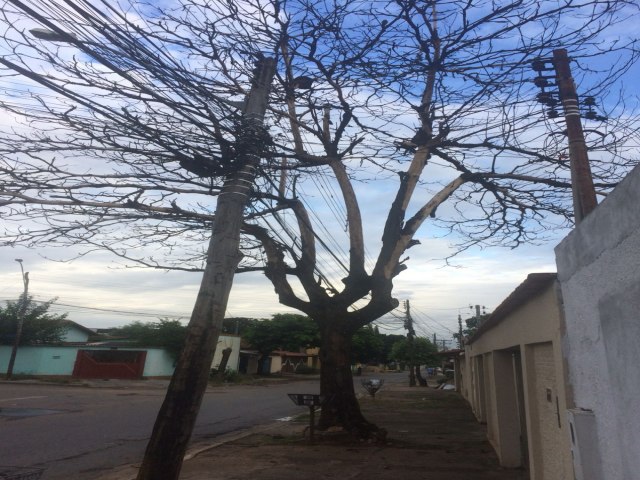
(584, 194)
(176, 418)
(22, 310)
(411, 333)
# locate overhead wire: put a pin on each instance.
(110, 310)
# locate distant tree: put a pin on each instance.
(165, 333)
(424, 352)
(367, 345)
(39, 326)
(472, 324)
(388, 342)
(237, 325)
(286, 331)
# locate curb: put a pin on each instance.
(122, 472)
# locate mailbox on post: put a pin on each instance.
(372, 385)
(308, 400)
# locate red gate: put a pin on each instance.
(109, 364)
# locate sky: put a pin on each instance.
(99, 291)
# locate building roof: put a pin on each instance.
(82, 328)
(534, 284)
(454, 352)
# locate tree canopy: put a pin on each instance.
(424, 352)
(284, 331)
(368, 346)
(39, 327)
(471, 325)
(165, 333)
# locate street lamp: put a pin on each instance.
(53, 36)
(22, 308)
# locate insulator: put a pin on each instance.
(546, 98)
(552, 113)
(540, 82)
(589, 101)
(539, 65)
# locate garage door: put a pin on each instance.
(109, 364)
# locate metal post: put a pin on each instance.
(22, 309)
(584, 194)
(312, 421)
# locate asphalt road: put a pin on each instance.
(78, 432)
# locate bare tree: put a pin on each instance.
(124, 134)
(474, 133)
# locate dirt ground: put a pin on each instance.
(432, 434)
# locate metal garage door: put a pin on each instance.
(109, 364)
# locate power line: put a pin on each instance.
(118, 312)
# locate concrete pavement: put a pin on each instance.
(432, 435)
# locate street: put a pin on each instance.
(79, 432)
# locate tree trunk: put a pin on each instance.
(419, 377)
(412, 375)
(341, 406)
(226, 353)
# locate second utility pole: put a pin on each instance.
(22, 310)
(411, 333)
(584, 194)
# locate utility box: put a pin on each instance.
(584, 444)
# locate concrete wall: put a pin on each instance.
(276, 364)
(546, 419)
(158, 362)
(60, 360)
(599, 271)
(514, 381)
(40, 360)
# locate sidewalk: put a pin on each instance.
(432, 435)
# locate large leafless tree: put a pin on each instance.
(124, 131)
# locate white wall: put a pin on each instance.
(599, 272)
(75, 334)
(227, 341)
(158, 362)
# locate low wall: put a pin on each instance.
(60, 360)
